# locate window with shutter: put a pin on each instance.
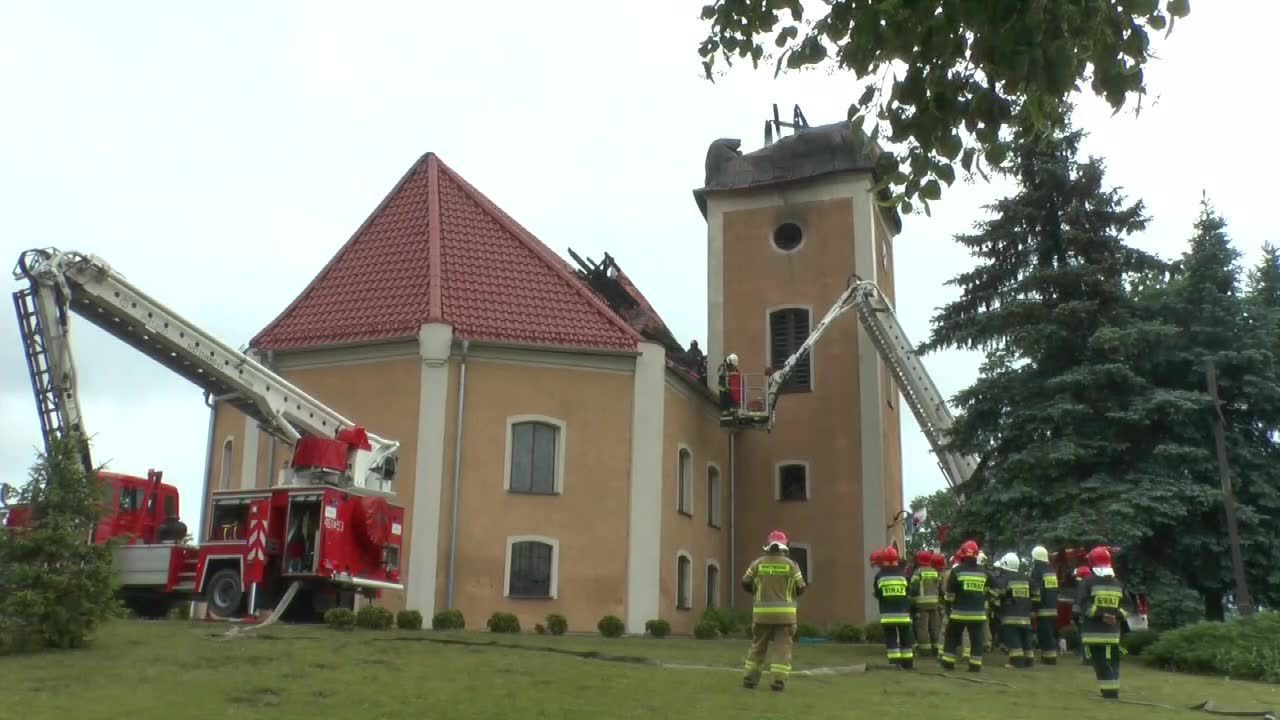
(788, 329)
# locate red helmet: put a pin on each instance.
(968, 550)
(923, 557)
(889, 556)
(777, 537)
(876, 555)
(1082, 572)
(1100, 557)
(938, 561)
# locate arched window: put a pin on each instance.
(225, 482)
(713, 584)
(788, 329)
(713, 496)
(531, 567)
(684, 481)
(535, 448)
(684, 581)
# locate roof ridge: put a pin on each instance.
(333, 260)
(544, 253)
(435, 303)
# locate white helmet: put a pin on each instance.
(732, 359)
(982, 558)
(1039, 553)
(1009, 562)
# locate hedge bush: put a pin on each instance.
(611, 626)
(847, 634)
(448, 620)
(409, 620)
(805, 630)
(557, 624)
(1138, 640)
(873, 632)
(657, 628)
(706, 630)
(371, 617)
(540, 629)
(501, 622)
(340, 618)
(1244, 648)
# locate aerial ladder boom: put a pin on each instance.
(917, 387)
(64, 282)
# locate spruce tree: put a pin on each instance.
(1052, 415)
(1215, 321)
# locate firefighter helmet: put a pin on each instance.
(732, 360)
(889, 556)
(969, 549)
(1040, 553)
(1100, 557)
(876, 555)
(1009, 562)
(1082, 572)
(776, 538)
(923, 558)
(938, 561)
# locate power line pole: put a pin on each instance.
(1228, 499)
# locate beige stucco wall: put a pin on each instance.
(588, 521)
(692, 422)
(821, 427)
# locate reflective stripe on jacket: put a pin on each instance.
(775, 581)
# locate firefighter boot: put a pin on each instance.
(778, 686)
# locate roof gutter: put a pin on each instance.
(457, 468)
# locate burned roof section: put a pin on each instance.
(809, 153)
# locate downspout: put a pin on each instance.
(457, 468)
(733, 567)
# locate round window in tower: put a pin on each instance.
(787, 236)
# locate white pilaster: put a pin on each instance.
(434, 343)
(644, 541)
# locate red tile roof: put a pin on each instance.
(437, 250)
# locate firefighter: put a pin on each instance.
(923, 591)
(776, 581)
(1044, 604)
(991, 629)
(1012, 591)
(1081, 574)
(966, 598)
(730, 385)
(890, 587)
(1102, 616)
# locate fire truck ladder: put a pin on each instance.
(917, 387)
(61, 282)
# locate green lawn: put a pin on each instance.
(169, 670)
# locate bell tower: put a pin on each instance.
(788, 226)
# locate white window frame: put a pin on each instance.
(808, 554)
(561, 431)
(768, 340)
(228, 459)
(715, 511)
(804, 236)
(710, 589)
(553, 585)
(689, 563)
(684, 489)
(777, 479)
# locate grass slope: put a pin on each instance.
(141, 670)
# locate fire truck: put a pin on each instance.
(753, 403)
(326, 531)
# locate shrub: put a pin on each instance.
(448, 620)
(873, 632)
(805, 630)
(1244, 648)
(56, 589)
(723, 618)
(847, 634)
(706, 630)
(557, 624)
(340, 618)
(611, 626)
(540, 629)
(371, 617)
(501, 622)
(1138, 640)
(409, 620)
(658, 628)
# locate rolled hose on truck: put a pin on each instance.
(373, 522)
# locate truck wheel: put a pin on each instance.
(223, 593)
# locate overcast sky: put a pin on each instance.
(219, 154)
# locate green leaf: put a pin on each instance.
(931, 190)
(905, 207)
(966, 160)
(708, 12)
(867, 96)
(1157, 21)
(1179, 8)
(946, 172)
